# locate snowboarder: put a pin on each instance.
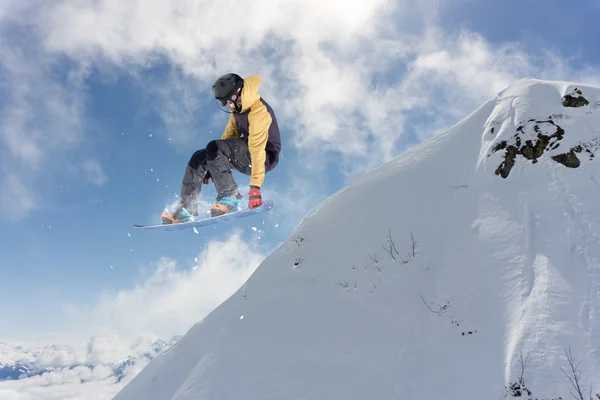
(250, 143)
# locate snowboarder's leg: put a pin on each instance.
(192, 181)
(221, 156)
(191, 184)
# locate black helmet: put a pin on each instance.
(225, 86)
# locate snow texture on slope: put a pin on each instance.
(466, 268)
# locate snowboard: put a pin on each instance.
(245, 212)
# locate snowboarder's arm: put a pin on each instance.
(259, 121)
(231, 130)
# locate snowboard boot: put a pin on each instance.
(225, 205)
(176, 217)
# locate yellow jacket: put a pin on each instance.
(258, 124)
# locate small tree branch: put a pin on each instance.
(523, 362)
(438, 312)
(574, 377)
(391, 246)
(374, 258)
(424, 302)
(413, 244)
(343, 284)
(368, 267)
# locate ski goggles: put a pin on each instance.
(224, 100)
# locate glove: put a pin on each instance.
(207, 177)
(254, 197)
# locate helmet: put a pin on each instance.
(225, 86)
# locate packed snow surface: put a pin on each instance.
(466, 268)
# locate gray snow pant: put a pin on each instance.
(218, 158)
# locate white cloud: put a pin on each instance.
(201, 35)
(100, 349)
(449, 74)
(75, 371)
(170, 300)
(94, 173)
(44, 114)
(15, 197)
(62, 385)
(40, 116)
(175, 101)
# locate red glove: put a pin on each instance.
(254, 197)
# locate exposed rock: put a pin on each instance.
(575, 99)
(568, 159)
(531, 150)
(571, 160)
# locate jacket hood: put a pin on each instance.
(250, 91)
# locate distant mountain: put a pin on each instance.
(19, 362)
(14, 371)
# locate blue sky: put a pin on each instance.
(103, 106)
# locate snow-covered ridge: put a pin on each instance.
(466, 268)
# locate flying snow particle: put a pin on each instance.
(276, 225)
(254, 228)
(150, 135)
(111, 266)
(195, 230)
(242, 317)
(129, 234)
(196, 259)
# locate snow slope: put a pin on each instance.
(437, 276)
